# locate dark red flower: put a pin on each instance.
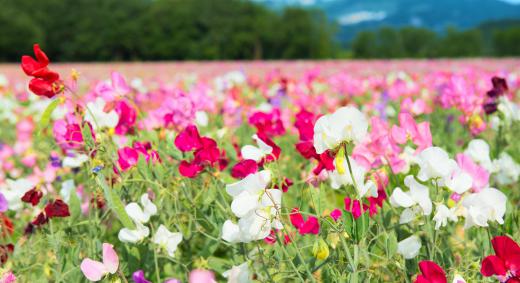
(505, 263)
(244, 168)
(5, 250)
(45, 82)
(58, 208)
(286, 184)
(40, 219)
(32, 196)
(431, 273)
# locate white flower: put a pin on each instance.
(167, 240)
(341, 176)
(478, 150)
(201, 118)
(98, 118)
(74, 161)
(256, 207)
(434, 163)
(415, 201)
(67, 188)
(256, 153)
(508, 170)
(14, 192)
(238, 274)
(139, 216)
(484, 206)
(409, 247)
(346, 124)
(459, 181)
(126, 235)
(510, 110)
(442, 215)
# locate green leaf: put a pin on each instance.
(46, 115)
(75, 206)
(86, 132)
(114, 202)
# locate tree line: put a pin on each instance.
(132, 30)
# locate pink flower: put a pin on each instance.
(268, 123)
(409, 130)
(127, 117)
(354, 207)
(430, 273)
(309, 226)
(128, 157)
(68, 135)
(95, 270)
(416, 107)
(478, 173)
(201, 276)
(116, 88)
(336, 214)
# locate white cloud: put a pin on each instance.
(361, 16)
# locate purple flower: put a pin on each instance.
(138, 277)
(3, 203)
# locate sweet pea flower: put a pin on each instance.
(117, 87)
(201, 276)
(478, 150)
(138, 277)
(127, 117)
(257, 153)
(431, 273)
(484, 206)
(238, 274)
(416, 200)
(508, 170)
(167, 240)
(95, 114)
(435, 163)
(140, 215)
(45, 82)
(505, 264)
(309, 226)
(443, 214)
(409, 247)
(346, 124)
(341, 176)
(95, 270)
(13, 191)
(419, 134)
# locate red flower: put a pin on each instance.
(354, 207)
(45, 82)
(205, 152)
(431, 273)
(32, 196)
(269, 124)
(57, 209)
(127, 117)
(244, 168)
(506, 261)
(40, 219)
(309, 226)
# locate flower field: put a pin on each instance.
(303, 171)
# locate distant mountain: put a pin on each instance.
(356, 15)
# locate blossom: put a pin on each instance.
(45, 82)
(309, 226)
(341, 176)
(13, 191)
(138, 277)
(443, 214)
(32, 196)
(484, 206)
(255, 206)
(57, 208)
(508, 170)
(409, 130)
(344, 125)
(416, 200)
(167, 240)
(266, 149)
(409, 247)
(434, 163)
(238, 274)
(268, 123)
(95, 270)
(127, 117)
(244, 168)
(98, 118)
(505, 264)
(201, 276)
(478, 150)
(431, 273)
(117, 87)
(140, 215)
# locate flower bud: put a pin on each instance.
(320, 250)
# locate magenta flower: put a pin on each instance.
(127, 117)
(309, 226)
